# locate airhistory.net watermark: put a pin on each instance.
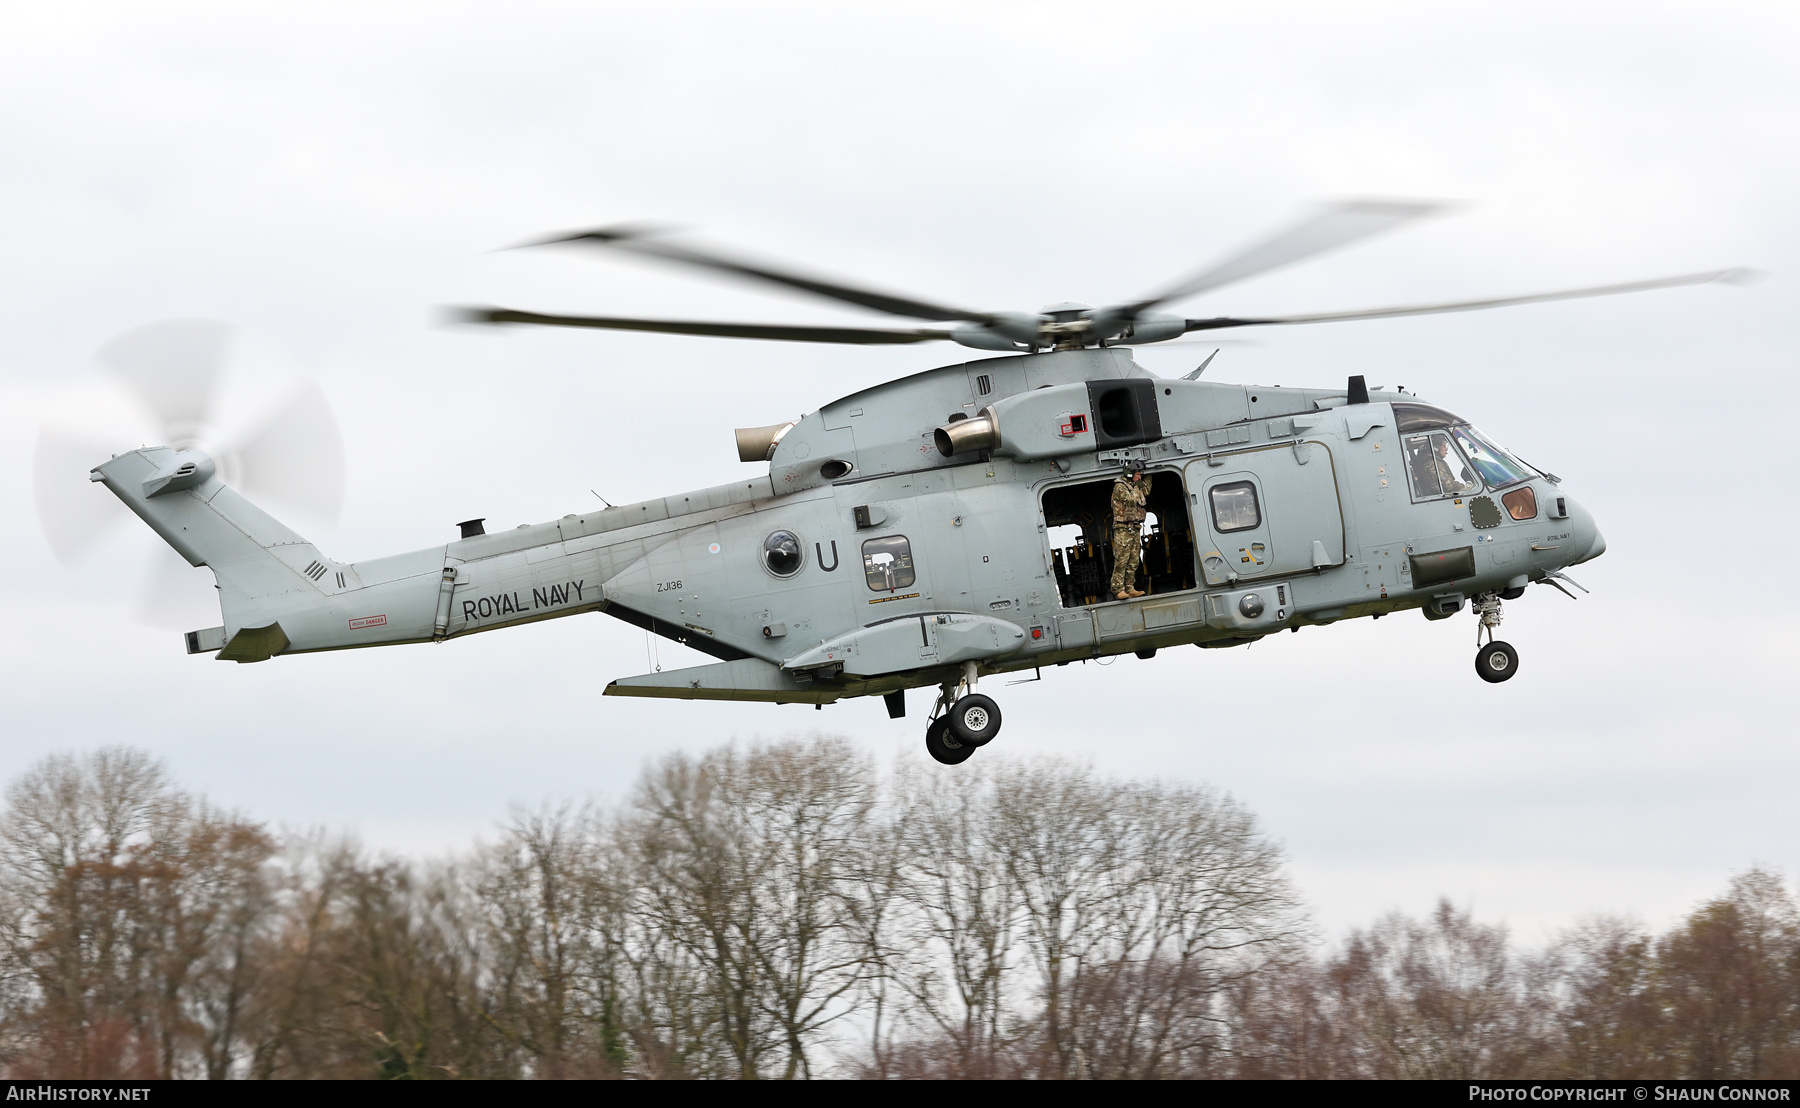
(48, 1092)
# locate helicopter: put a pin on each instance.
(956, 524)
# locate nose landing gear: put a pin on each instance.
(961, 724)
(1497, 661)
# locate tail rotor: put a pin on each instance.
(174, 372)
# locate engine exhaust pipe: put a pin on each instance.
(965, 435)
(757, 444)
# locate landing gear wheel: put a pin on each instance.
(974, 720)
(941, 746)
(1496, 662)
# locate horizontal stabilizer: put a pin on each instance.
(255, 644)
(205, 640)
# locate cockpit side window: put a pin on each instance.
(1435, 469)
(1498, 468)
(887, 563)
(1421, 468)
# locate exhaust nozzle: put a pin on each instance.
(757, 444)
(965, 435)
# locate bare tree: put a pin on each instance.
(548, 895)
(1730, 981)
(1065, 925)
(1440, 998)
(750, 909)
(1201, 901)
(1063, 836)
(743, 860)
(1601, 977)
(953, 945)
(83, 844)
(808, 806)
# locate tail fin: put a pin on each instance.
(264, 570)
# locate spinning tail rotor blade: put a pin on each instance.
(297, 457)
(638, 240)
(173, 595)
(173, 367)
(779, 332)
(1335, 226)
(75, 514)
(1722, 276)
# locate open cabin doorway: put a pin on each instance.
(1078, 524)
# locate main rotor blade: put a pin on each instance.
(1337, 225)
(1738, 276)
(173, 366)
(778, 332)
(297, 457)
(636, 240)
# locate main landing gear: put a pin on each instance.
(1497, 661)
(960, 725)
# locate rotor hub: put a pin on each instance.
(1066, 311)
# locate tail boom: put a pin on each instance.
(277, 593)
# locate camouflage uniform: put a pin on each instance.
(1128, 498)
(1453, 483)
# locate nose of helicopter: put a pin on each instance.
(1584, 534)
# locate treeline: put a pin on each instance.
(786, 910)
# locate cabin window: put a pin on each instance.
(1234, 507)
(782, 553)
(1435, 468)
(888, 563)
(1498, 468)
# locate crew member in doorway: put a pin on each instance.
(1128, 496)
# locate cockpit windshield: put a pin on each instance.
(1498, 468)
(1410, 416)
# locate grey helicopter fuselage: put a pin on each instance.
(867, 561)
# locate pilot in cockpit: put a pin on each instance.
(1456, 477)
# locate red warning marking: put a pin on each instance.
(368, 621)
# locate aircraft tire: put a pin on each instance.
(974, 720)
(938, 743)
(1496, 662)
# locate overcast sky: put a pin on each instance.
(324, 176)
